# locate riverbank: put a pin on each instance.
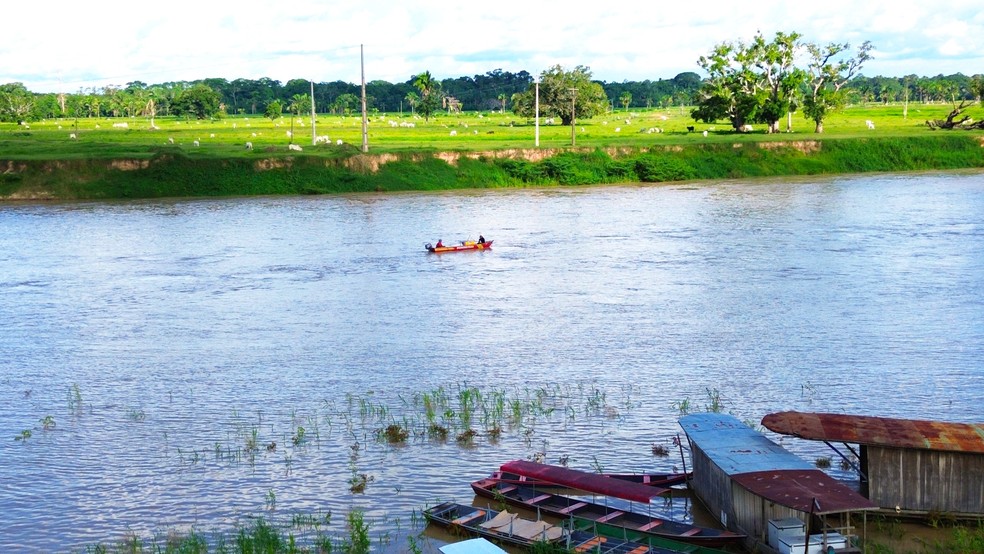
(171, 172)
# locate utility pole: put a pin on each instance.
(365, 120)
(536, 112)
(314, 132)
(573, 98)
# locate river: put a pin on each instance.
(183, 364)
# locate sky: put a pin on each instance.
(71, 45)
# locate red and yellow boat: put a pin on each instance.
(465, 245)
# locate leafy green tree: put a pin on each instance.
(732, 90)
(273, 110)
(199, 101)
(778, 76)
(560, 91)
(16, 102)
(625, 99)
(827, 74)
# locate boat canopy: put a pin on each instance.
(585, 481)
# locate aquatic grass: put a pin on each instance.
(822, 462)
(358, 529)
(75, 398)
(47, 422)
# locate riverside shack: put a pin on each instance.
(910, 466)
(750, 483)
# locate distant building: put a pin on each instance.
(906, 465)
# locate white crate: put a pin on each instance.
(786, 526)
(795, 544)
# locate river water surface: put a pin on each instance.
(154, 350)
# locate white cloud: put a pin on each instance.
(96, 43)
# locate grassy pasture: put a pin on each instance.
(470, 131)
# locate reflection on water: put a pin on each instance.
(179, 346)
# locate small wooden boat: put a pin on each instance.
(662, 480)
(465, 245)
(509, 529)
(561, 506)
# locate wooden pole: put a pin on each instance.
(365, 119)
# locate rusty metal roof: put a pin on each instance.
(808, 490)
(880, 431)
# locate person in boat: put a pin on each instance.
(481, 239)
(439, 244)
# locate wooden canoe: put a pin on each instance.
(561, 506)
(509, 529)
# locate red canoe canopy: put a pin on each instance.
(582, 480)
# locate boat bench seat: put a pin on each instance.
(507, 488)
(540, 498)
(609, 517)
(650, 525)
(690, 532)
(572, 507)
(469, 517)
(640, 549)
(590, 544)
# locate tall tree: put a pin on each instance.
(15, 102)
(199, 101)
(565, 94)
(732, 89)
(780, 78)
(826, 76)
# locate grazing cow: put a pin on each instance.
(295, 147)
(249, 146)
(747, 128)
(170, 140)
(72, 136)
(690, 129)
(196, 143)
(870, 124)
(705, 133)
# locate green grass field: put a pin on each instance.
(227, 137)
(131, 158)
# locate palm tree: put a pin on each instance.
(429, 93)
(413, 100)
(296, 103)
(502, 99)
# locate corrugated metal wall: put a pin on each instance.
(926, 480)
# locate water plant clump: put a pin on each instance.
(396, 434)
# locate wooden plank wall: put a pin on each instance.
(926, 480)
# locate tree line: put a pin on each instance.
(746, 83)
